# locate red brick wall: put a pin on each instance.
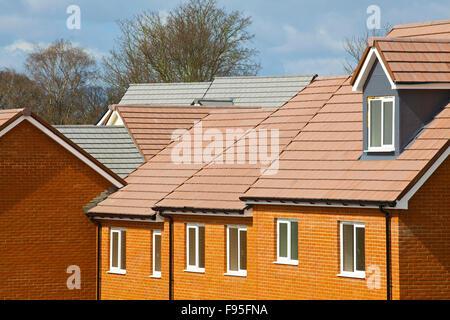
(425, 240)
(136, 283)
(43, 228)
(314, 278)
(419, 248)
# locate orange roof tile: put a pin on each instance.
(8, 115)
(219, 186)
(412, 60)
(158, 177)
(151, 126)
(429, 30)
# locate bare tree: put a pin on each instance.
(18, 91)
(195, 42)
(65, 74)
(356, 45)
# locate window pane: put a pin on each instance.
(375, 123)
(157, 252)
(243, 256)
(360, 252)
(192, 241)
(348, 247)
(233, 249)
(115, 249)
(201, 247)
(282, 239)
(387, 122)
(294, 240)
(123, 251)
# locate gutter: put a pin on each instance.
(279, 200)
(170, 253)
(388, 252)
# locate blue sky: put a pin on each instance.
(292, 36)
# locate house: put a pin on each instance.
(48, 244)
(261, 91)
(354, 206)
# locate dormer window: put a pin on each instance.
(381, 124)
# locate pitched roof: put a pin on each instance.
(219, 186)
(429, 30)
(12, 117)
(182, 93)
(322, 162)
(152, 126)
(9, 115)
(111, 145)
(161, 175)
(409, 61)
(263, 91)
(321, 142)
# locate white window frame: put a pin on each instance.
(155, 274)
(384, 147)
(355, 273)
(240, 272)
(194, 268)
(284, 260)
(118, 269)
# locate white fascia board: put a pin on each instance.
(100, 122)
(372, 56)
(12, 125)
(403, 202)
(64, 144)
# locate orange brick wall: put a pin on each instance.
(136, 283)
(419, 249)
(314, 278)
(425, 240)
(43, 228)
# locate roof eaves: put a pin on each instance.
(173, 210)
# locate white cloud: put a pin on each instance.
(320, 66)
(20, 45)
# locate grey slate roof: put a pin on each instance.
(262, 91)
(112, 146)
(179, 94)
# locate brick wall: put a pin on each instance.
(43, 228)
(137, 283)
(419, 248)
(425, 240)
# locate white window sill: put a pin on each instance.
(156, 276)
(236, 274)
(289, 263)
(356, 275)
(117, 271)
(380, 150)
(196, 270)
